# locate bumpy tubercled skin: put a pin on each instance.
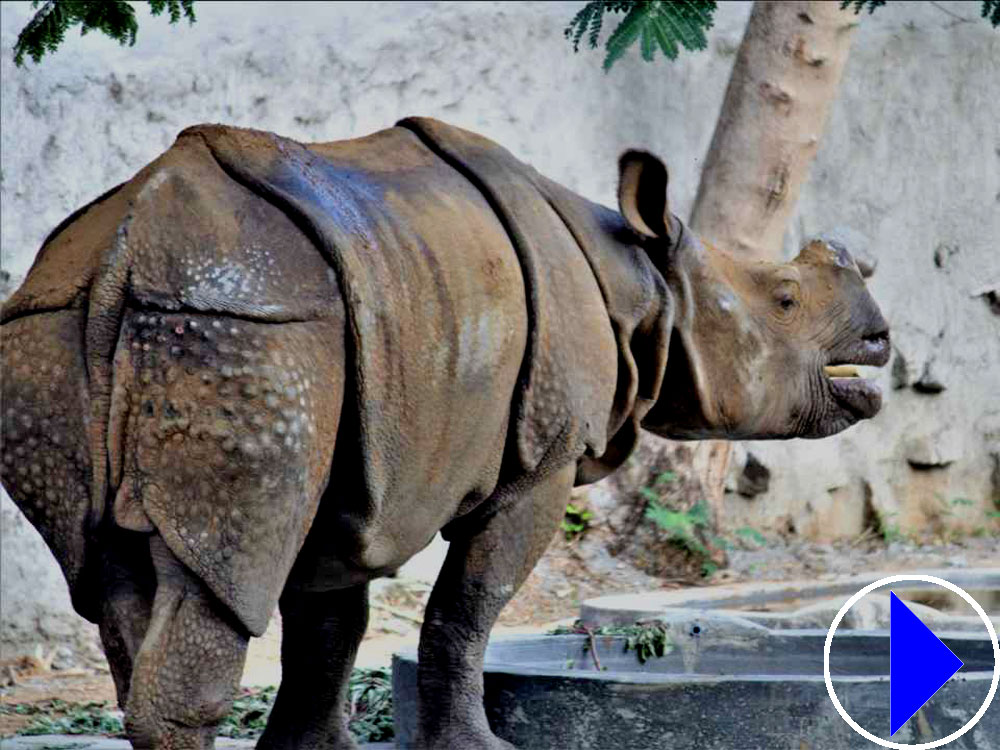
(261, 374)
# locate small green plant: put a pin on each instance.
(884, 526)
(665, 477)
(961, 501)
(576, 521)
(751, 535)
(994, 514)
(679, 525)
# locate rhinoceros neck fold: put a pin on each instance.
(640, 310)
(567, 383)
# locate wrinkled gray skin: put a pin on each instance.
(261, 373)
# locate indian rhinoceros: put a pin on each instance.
(264, 373)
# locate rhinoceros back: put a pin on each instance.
(128, 309)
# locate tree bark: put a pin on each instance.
(786, 75)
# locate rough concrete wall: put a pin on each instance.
(94, 113)
(910, 160)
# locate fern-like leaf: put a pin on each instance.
(652, 23)
(991, 11)
(590, 20)
(625, 35)
(115, 18)
(860, 5)
(174, 8)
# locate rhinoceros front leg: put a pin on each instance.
(480, 575)
(189, 666)
(321, 631)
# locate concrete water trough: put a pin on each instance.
(814, 603)
(728, 682)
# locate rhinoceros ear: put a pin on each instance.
(642, 194)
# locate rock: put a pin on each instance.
(929, 381)
(754, 479)
(932, 451)
(990, 293)
(943, 253)
(737, 460)
(64, 658)
(900, 370)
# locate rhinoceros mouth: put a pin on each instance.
(859, 397)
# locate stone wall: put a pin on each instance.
(910, 160)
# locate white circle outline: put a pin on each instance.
(897, 579)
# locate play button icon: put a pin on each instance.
(919, 663)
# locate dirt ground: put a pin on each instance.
(569, 573)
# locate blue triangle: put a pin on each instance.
(919, 663)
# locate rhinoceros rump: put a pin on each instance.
(262, 372)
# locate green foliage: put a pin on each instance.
(575, 521)
(249, 714)
(990, 8)
(991, 11)
(751, 534)
(682, 527)
(115, 18)
(369, 712)
(655, 24)
(62, 717)
(884, 526)
(370, 696)
(665, 477)
(860, 5)
(647, 639)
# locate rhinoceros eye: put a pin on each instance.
(786, 295)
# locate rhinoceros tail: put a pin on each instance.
(105, 313)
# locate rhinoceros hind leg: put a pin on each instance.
(321, 631)
(189, 666)
(481, 573)
(129, 585)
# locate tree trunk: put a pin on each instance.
(785, 78)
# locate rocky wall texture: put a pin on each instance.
(910, 160)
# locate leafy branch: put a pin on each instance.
(668, 25)
(647, 638)
(654, 24)
(990, 8)
(115, 18)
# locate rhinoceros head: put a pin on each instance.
(754, 345)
